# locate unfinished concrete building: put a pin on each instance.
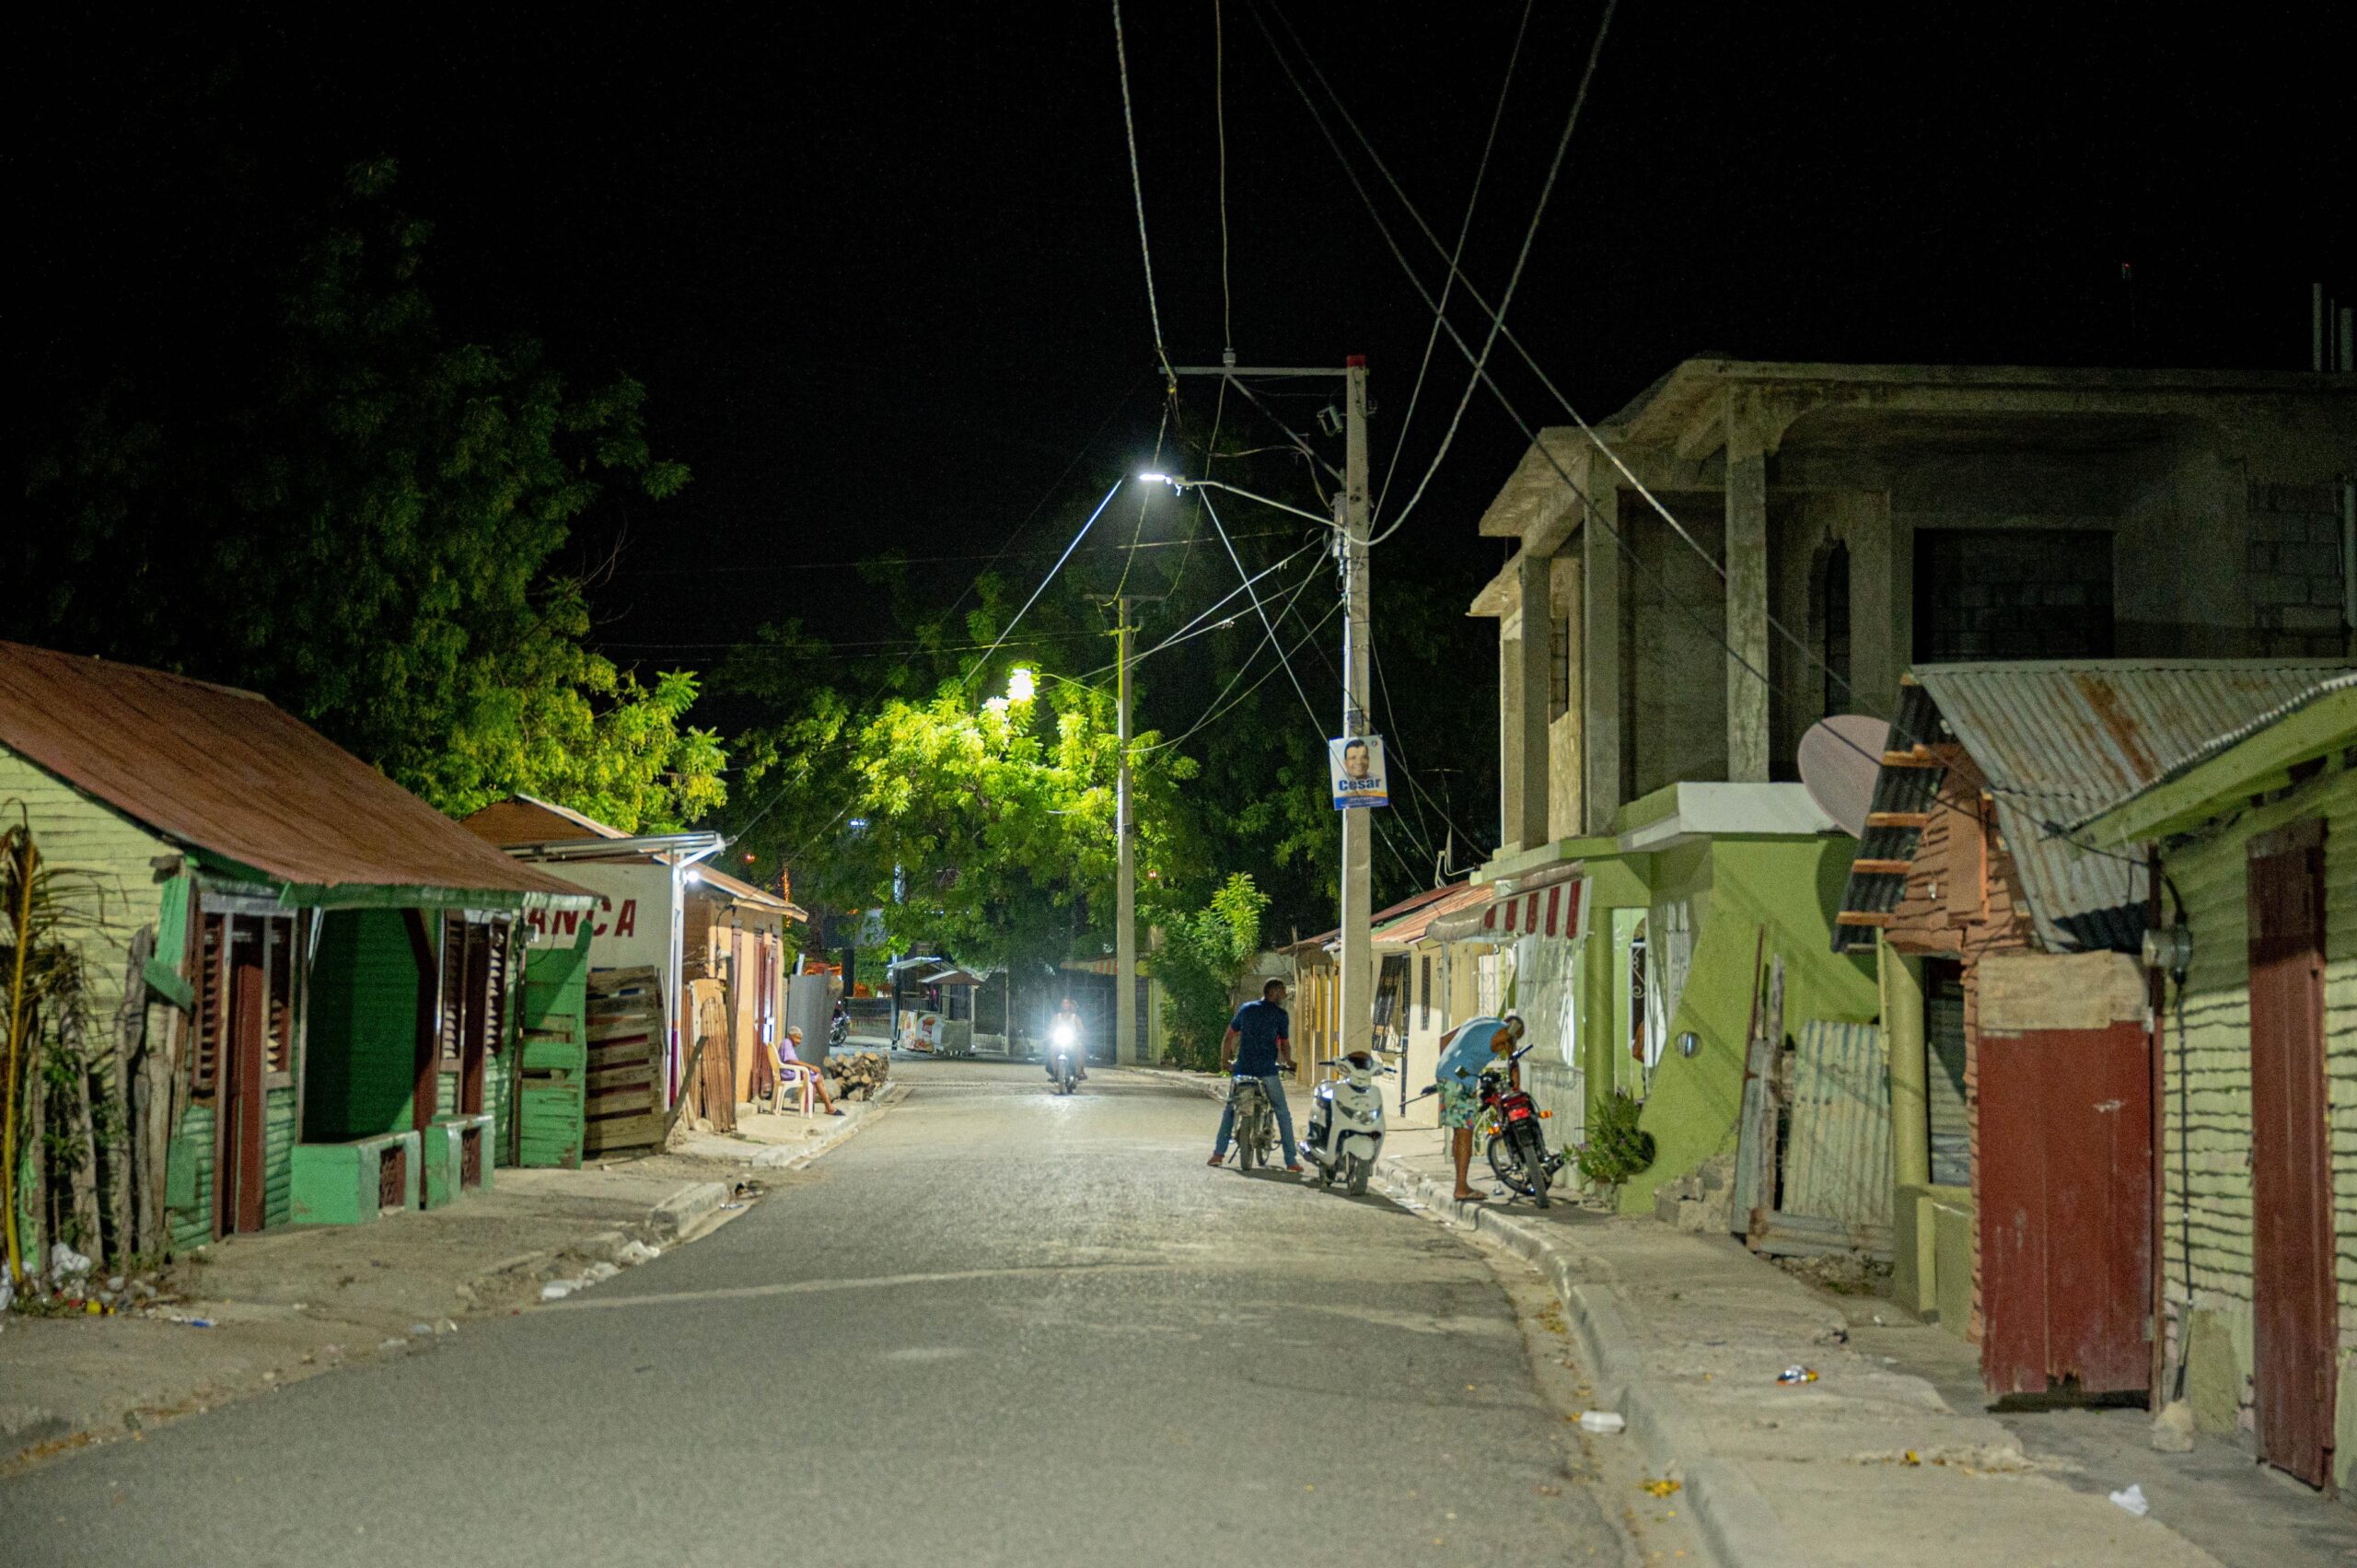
(1885, 515)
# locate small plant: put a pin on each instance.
(1617, 1148)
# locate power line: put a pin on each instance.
(1218, 711)
(1483, 374)
(1432, 339)
(1219, 112)
(1009, 629)
(1137, 188)
(740, 568)
(1211, 511)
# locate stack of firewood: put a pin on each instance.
(857, 1075)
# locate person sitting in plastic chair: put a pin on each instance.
(797, 1076)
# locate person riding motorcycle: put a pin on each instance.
(1065, 1030)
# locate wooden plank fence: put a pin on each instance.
(622, 1106)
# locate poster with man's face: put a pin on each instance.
(1355, 763)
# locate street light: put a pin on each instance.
(1020, 685)
(1181, 486)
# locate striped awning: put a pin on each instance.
(1559, 909)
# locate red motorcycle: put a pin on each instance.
(1518, 1152)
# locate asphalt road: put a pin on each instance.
(998, 1327)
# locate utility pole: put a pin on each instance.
(1351, 544)
(1125, 883)
(1358, 824)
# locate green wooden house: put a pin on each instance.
(2254, 837)
(334, 1007)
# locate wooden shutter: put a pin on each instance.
(451, 1025)
(212, 1006)
(278, 1020)
(495, 1013)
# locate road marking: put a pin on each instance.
(820, 1287)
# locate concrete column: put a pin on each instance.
(1876, 655)
(1509, 730)
(1747, 589)
(1566, 771)
(1535, 587)
(1910, 1077)
(1599, 688)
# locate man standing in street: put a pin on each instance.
(1256, 1046)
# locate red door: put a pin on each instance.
(2290, 1166)
(2065, 1212)
(239, 1122)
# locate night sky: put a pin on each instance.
(879, 266)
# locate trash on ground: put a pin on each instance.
(65, 1261)
(557, 1290)
(1662, 1488)
(2132, 1501)
(1797, 1375)
(1602, 1421)
(636, 1252)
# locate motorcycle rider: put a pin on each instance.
(1068, 1017)
(1257, 1045)
(1466, 1051)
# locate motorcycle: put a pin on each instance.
(838, 1029)
(1063, 1055)
(1256, 1123)
(1518, 1154)
(1346, 1123)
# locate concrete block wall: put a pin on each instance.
(2294, 551)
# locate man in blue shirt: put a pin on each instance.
(1256, 1046)
(1466, 1052)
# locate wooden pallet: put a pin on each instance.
(621, 1100)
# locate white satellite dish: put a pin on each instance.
(1840, 758)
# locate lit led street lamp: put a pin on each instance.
(1184, 485)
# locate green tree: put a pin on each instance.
(1202, 957)
(363, 521)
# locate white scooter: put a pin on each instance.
(1063, 1055)
(1346, 1122)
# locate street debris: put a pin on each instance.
(1662, 1488)
(1797, 1375)
(2132, 1501)
(2172, 1428)
(1602, 1421)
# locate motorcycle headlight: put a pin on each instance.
(1062, 1034)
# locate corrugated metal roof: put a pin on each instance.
(2059, 743)
(2321, 684)
(1375, 921)
(225, 772)
(1408, 929)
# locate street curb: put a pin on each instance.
(1737, 1526)
(893, 1094)
(675, 1215)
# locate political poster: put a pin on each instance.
(1355, 765)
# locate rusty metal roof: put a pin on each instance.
(1407, 930)
(2059, 743)
(224, 771)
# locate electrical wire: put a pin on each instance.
(1481, 374)
(1219, 112)
(1137, 188)
(1432, 339)
(1009, 629)
(1217, 711)
(1211, 511)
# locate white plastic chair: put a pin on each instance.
(796, 1077)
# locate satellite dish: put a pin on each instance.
(1840, 758)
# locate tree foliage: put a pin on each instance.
(363, 521)
(1200, 958)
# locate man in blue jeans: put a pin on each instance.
(1256, 1047)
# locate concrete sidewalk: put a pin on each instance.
(290, 1304)
(1686, 1336)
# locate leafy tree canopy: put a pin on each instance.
(1202, 955)
(362, 519)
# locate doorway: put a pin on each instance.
(2291, 1199)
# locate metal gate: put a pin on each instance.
(2065, 1211)
(2291, 1193)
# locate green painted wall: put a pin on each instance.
(187, 1179)
(2206, 1167)
(1789, 888)
(361, 1060)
